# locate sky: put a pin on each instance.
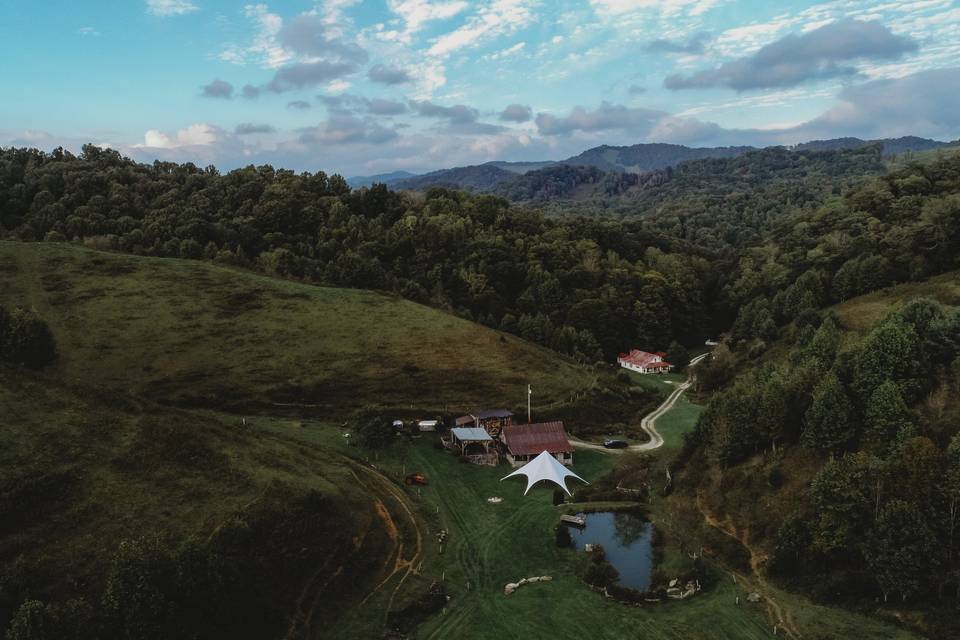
(361, 87)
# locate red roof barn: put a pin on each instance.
(526, 441)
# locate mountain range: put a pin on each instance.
(631, 159)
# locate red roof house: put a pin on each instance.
(643, 362)
(525, 442)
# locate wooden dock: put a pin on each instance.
(578, 520)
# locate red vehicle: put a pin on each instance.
(415, 478)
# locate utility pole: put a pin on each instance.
(529, 393)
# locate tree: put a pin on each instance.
(371, 429)
(886, 415)
(899, 550)
(825, 342)
(27, 339)
(678, 355)
(135, 598)
(827, 423)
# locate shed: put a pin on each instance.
(493, 420)
(524, 442)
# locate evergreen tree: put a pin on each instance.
(886, 416)
(900, 550)
(827, 423)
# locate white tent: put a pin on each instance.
(544, 467)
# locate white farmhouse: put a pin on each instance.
(643, 362)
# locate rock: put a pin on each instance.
(589, 547)
(753, 597)
(510, 588)
(546, 578)
(522, 581)
(534, 579)
(674, 582)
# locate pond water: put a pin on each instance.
(627, 540)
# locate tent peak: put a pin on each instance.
(545, 467)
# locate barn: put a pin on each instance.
(524, 442)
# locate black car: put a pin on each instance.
(616, 444)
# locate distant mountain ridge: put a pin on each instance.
(495, 176)
(383, 178)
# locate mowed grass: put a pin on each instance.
(198, 334)
(492, 544)
(676, 423)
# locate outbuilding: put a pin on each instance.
(492, 420)
(474, 444)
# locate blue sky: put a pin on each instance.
(368, 86)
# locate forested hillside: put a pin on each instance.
(762, 236)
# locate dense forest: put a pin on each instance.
(756, 238)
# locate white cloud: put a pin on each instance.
(506, 53)
(265, 48)
(416, 14)
(88, 32)
(200, 134)
(164, 8)
(666, 7)
(497, 18)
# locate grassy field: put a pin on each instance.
(492, 544)
(196, 334)
(860, 313)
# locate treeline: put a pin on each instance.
(586, 288)
(754, 241)
(883, 511)
(25, 339)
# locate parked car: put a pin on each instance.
(616, 444)
(415, 478)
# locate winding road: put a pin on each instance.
(648, 423)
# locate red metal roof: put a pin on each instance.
(529, 439)
(638, 358)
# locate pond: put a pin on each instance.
(627, 540)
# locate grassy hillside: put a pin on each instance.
(196, 334)
(84, 472)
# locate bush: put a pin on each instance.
(562, 537)
(775, 477)
(601, 574)
(372, 429)
(26, 339)
(625, 594)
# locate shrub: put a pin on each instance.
(372, 429)
(601, 574)
(562, 537)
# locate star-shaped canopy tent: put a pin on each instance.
(544, 467)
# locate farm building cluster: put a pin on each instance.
(490, 436)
